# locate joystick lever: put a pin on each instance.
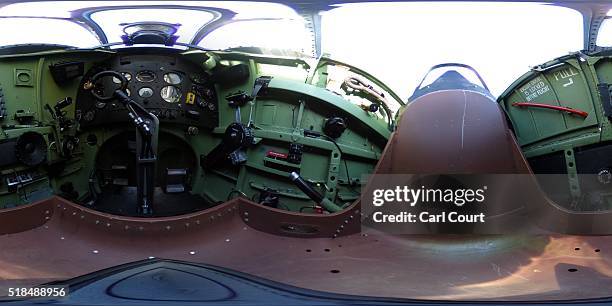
(147, 130)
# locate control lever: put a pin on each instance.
(238, 116)
(146, 150)
(236, 137)
(147, 130)
(313, 194)
(59, 115)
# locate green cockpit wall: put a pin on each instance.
(299, 123)
(561, 112)
(323, 119)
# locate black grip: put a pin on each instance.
(304, 187)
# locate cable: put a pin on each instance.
(229, 195)
(359, 84)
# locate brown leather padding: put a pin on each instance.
(453, 131)
(75, 241)
(457, 131)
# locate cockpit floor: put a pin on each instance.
(65, 240)
(122, 201)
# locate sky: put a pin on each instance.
(399, 42)
(396, 42)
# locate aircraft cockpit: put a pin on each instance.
(262, 152)
(152, 123)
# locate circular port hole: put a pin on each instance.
(23, 77)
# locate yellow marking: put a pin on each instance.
(190, 99)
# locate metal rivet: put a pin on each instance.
(192, 252)
(151, 257)
(246, 213)
(246, 219)
(168, 227)
(227, 240)
(46, 212)
(95, 251)
(62, 238)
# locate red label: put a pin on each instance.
(277, 155)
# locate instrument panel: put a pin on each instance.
(174, 89)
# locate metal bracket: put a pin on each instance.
(332, 174)
(572, 174)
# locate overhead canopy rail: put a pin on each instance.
(594, 13)
(195, 19)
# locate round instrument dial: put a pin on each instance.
(127, 76)
(172, 78)
(145, 92)
(145, 76)
(171, 94)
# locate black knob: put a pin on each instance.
(334, 127)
